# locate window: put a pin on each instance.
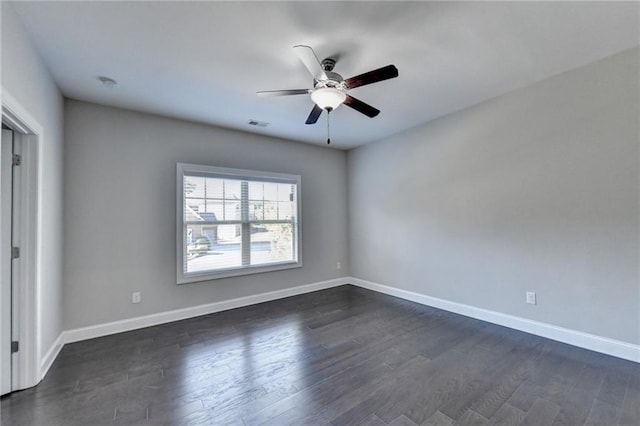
(236, 222)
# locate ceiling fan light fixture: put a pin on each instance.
(330, 89)
(328, 98)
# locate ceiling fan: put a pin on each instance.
(329, 88)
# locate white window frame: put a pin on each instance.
(222, 172)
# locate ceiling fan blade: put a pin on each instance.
(314, 115)
(310, 60)
(283, 92)
(384, 73)
(360, 106)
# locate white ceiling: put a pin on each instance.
(204, 61)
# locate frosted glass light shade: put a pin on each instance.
(328, 97)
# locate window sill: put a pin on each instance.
(236, 272)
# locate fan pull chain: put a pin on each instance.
(328, 128)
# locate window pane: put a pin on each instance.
(256, 210)
(270, 210)
(232, 189)
(206, 249)
(191, 209)
(232, 210)
(256, 191)
(286, 191)
(272, 243)
(215, 210)
(193, 186)
(214, 188)
(229, 234)
(271, 191)
(286, 210)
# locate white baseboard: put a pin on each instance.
(576, 338)
(592, 342)
(129, 324)
(51, 355)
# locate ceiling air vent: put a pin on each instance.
(258, 123)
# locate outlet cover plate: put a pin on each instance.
(531, 298)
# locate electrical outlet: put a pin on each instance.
(531, 298)
(136, 297)
(338, 265)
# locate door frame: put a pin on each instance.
(29, 132)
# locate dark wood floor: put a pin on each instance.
(340, 356)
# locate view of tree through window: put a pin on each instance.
(237, 222)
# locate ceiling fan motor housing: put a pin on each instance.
(328, 64)
(333, 80)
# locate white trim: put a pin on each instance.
(51, 355)
(106, 329)
(17, 117)
(30, 329)
(593, 342)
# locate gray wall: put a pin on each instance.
(535, 190)
(26, 78)
(120, 201)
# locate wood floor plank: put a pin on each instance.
(542, 413)
(339, 410)
(372, 400)
(494, 383)
(524, 397)
(423, 383)
(499, 392)
(358, 393)
(507, 415)
(438, 419)
(372, 420)
(345, 356)
(631, 404)
(402, 421)
(451, 388)
(471, 418)
(324, 392)
(577, 405)
(613, 389)
(603, 413)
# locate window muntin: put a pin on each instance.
(236, 222)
